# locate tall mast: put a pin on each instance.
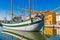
(30, 7)
(12, 8)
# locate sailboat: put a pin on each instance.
(28, 25)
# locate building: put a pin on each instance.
(57, 18)
(50, 17)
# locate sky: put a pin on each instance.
(38, 5)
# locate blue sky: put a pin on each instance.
(38, 5)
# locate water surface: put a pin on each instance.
(26, 35)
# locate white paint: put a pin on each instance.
(34, 27)
(58, 31)
(58, 18)
(25, 28)
(26, 22)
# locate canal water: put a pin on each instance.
(22, 35)
(30, 36)
(1, 29)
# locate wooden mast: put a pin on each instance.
(30, 9)
(12, 8)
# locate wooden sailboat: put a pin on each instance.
(25, 26)
(28, 25)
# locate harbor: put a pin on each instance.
(29, 20)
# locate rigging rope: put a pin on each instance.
(56, 8)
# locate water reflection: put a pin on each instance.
(29, 35)
(1, 32)
(53, 38)
(9, 37)
(32, 35)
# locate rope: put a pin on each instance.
(56, 9)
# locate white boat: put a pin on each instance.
(36, 25)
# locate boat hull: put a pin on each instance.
(30, 27)
(34, 27)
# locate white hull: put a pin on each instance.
(34, 27)
(25, 26)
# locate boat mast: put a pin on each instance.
(30, 9)
(12, 8)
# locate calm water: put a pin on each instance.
(9, 37)
(1, 33)
(26, 36)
